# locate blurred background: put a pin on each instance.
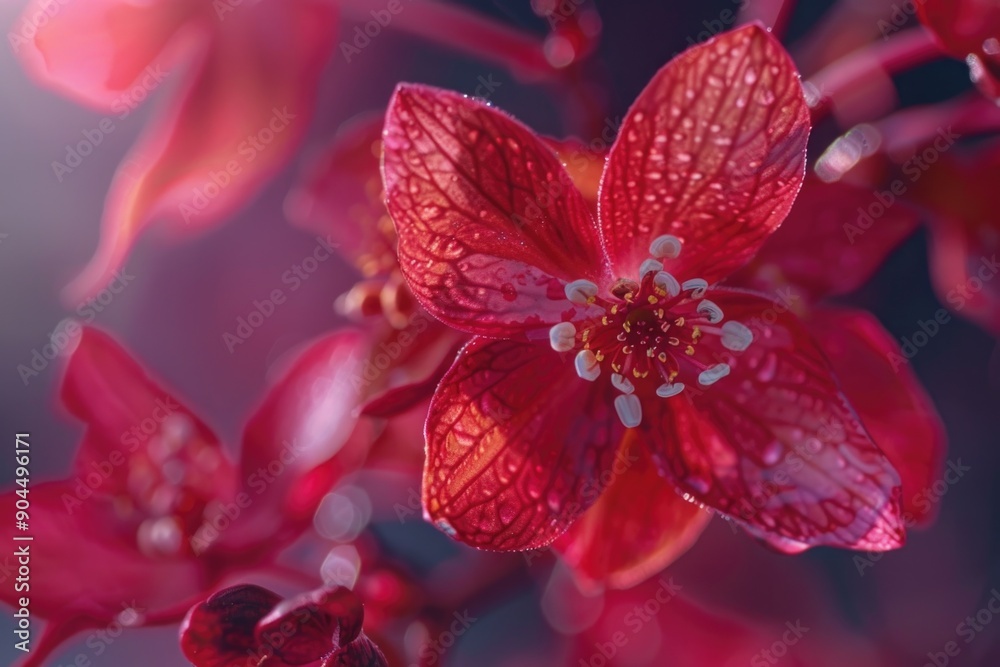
(186, 293)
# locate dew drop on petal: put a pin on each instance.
(508, 291)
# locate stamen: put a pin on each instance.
(711, 311)
(669, 389)
(622, 384)
(629, 410)
(667, 283)
(581, 292)
(650, 266)
(697, 287)
(736, 336)
(587, 366)
(666, 246)
(710, 376)
(562, 337)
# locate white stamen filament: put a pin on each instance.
(736, 336)
(710, 376)
(587, 366)
(629, 410)
(666, 246)
(562, 337)
(667, 283)
(622, 383)
(711, 311)
(649, 266)
(581, 292)
(667, 390)
(697, 287)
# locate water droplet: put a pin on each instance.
(508, 291)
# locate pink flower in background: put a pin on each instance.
(968, 30)
(155, 513)
(612, 332)
(240, 80)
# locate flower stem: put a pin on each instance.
(911, 129)
(467, 32)
(908, 49)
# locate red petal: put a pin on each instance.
(341, 198)
(400, 399)
(713, 152)
(132, 422)
(636, 528)
(138, 437)
(108, 573)
(97, 51)
(964, 27)
(776, 446)
(321, 621)
(490, 225)
(893, 407)
(362, 652)
(516, 446)
(830, 244)
(219, 632)
(965, 234)
(249, 101)
(305, 435)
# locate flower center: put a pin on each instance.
(650, 333)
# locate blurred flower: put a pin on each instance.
(246, 76)
(968, 30)
(156, 512)
(495, 240)
(249, 623)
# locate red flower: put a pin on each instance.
(249, 78)
(248, 624)
(616, 329)
(155, 513)
(968, 30)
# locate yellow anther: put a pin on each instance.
(689, 350)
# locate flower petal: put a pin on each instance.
(968, 30)
(362, 652)
(303, 437)
(249, 100)
(135, 426)
(219, 632)
(341, 198)
(776, 446)
(306, 628)
(893, 407)
(490, 225)
(96, 51)
(517, 446)
(638, 526)
(109, 575)
(830, 244)
(713, 152)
